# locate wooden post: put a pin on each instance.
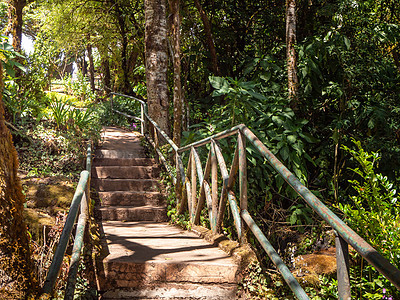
(193, 202)
(342, 262)
(156, 142)
(143, 123)
(242, 178)
(214, 190)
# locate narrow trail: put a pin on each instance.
(148, 258)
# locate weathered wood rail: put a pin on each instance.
(80, 202)
(187, 181)
(197, 188)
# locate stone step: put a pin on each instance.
(123, 198)
(106, 185)
(176, 291)
(138, 152)
(126, 172)
(124, 162)
(147, 254)
(131, 213)
(145, 257)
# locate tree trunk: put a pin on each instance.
(293, 81)
(15, 15)
(178, 97)
(210, 42)
(105, 66)
(156, 62)
(91, 67)
(15, 24)
(126, 87)
(17, 278)
(84, 66)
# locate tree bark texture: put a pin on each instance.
(83, 65)
(15, 25)
(293, 81)
(126, 87)
(210, 42)
(17, 278)
(91, 67)
(15, 18)
(178, 97)
(157, 62)
(105, 66)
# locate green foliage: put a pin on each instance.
(373, 212)
(81, 121)
(3, 15)
(300, 215)
(107, 116)
(20, 98)
(256, 284)
(256, 104)
(19, 107)
(43, 151)
(172, 209)
(79, 87)
(326, 290)
(348, 83)
(241, 98)
(8, 57)
(140, 88)
(60, 110)
(83, 118)
(45, 61)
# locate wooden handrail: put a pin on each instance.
(187, 191)
(80, 200)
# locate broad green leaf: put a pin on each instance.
(284, 152)
(292, 139)
(257, 95)
(346, 42)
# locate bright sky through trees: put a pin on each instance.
(27, 44)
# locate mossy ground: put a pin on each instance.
(45, 198)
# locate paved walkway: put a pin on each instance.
(148, 258)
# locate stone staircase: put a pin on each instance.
(146, 258)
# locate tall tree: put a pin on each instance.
(124, 39)
(15, 21)
(17, 278)
(15, 24)
(105, 68)
(178, 97)
(293, 81)
(156, 61)
(91, 65)
(209, 39)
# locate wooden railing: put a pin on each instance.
(189, 179)
(80, 200)
(197, 188)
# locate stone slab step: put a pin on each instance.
(175, 291)
(106, 185)
(124, 161)
(138, 152)
(114, 137)
(125, 172)
(146, 253)
(124, 198)
(131, 213)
